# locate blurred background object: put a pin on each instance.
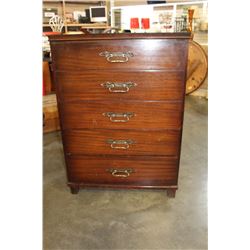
(56, 23)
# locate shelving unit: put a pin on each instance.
(120, 15)
(84, 25)
(64, 5)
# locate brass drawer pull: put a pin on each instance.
(118, 87)
(125, 116)
(120, 144)
(120, 172)
(117, 57)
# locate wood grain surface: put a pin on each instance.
(149, 115)
(145, 170)
(145, 142)
(148, 55)
(87, 85)
(142, 151)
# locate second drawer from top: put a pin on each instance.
(108, 85)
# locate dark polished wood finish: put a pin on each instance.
(139, 145)
(86, 85)
(147, 55)
(144, 142)
(149, 115)
(123, 36)
(145, 170)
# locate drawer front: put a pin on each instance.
(108, 85)
(119, 54)
(132, 171)
(121, 142)
(122, 115)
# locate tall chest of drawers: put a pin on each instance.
(121, 102)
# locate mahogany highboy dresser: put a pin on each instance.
(121, 102)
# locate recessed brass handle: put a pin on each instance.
(123, 117)
(120, 144)
(117, 57)
(118, 87)
(120, 172)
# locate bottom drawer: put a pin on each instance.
(141, 171)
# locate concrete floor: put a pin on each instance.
(130, 219)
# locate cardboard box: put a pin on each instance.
(50, 114)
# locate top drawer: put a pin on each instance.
(139, 54)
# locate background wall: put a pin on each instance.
(139, 2)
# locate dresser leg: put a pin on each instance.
(171, 192)
(74, 189)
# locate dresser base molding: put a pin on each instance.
(75, 188)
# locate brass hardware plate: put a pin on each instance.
(118, 87)
(120, 144)
(117, 57)
(122, 117)
(120, 172)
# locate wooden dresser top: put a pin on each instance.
(83, 37)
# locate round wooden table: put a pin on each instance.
(197, 67)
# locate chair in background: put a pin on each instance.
(56, 23)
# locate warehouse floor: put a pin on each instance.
(130, 219)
